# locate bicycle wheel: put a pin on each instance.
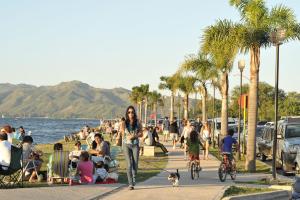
(193, 171)
(233, 172)
(198, 170)
(222, 172)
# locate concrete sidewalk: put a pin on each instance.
(207, 186)
(81, 192)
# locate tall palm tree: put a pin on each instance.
(220, 43)
(137, 99)
(186, 84)
(257, 23)
(204, 70)
(169, 83)
(144, 89)
(154, 99)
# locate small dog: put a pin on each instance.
(174, 178)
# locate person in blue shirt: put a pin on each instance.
(227, 142)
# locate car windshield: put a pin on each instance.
(292, 130)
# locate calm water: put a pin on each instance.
(49, 130)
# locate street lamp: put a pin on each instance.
(241, 65)
(276, 38)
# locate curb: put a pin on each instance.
(220, 195)
(101, 196)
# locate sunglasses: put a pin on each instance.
(130, 112)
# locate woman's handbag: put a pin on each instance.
(209, 140)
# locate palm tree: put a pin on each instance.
(257, 23)
(169, 83)
(137, 99)
(220, 43)
(144, 89)
(154, 99)
(186, 84)
(204, 71)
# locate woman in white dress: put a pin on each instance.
(206, 136)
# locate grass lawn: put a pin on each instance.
(260, 166)
(233, 191)
(148, 166)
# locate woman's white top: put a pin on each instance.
(186, 132)
(205, 134)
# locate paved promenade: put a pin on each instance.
(207, 187)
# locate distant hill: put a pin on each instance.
(66, 100)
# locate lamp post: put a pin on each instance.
(276, 38)
(179, 103)
(241, 65)
(214, 113)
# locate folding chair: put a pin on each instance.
(58, 166)
(12, 177)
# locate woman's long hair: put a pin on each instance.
(127, 120)
(194, 136)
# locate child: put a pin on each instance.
(193, 146)
(32, 159)
(75, 154)
(85, 168)
(100, 172)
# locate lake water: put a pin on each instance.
(49, 130)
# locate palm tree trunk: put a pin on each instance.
(224, 114)
(140, 111)
(155, 113)
(172, 107)
(252, 110)
(186, 107)
(146, 110)
(204, 98)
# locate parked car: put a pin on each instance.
(265, 144)
(288, 144)
(261, 123)
(217, 126)
(269, 124)
(258, 134)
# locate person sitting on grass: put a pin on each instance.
(75, 154)
(100, 147)
(85, 168)
(32, 160)
(193, 145)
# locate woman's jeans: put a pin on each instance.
(131, 153)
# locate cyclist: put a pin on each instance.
(226, 145)
(193, 144)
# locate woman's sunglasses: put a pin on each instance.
(130, 112)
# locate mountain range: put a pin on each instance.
(72, 99)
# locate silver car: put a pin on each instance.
(288, 145)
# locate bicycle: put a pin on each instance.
(227, 167)
(194, 167)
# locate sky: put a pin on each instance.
(116, 43)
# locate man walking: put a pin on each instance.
(166, 128)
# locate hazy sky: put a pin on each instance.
(114, 43)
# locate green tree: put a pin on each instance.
(204, 71)
(154, 100)
(257, 23)
(169, 83)
(186, 85)
(220, 42)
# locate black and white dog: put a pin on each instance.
(174, 178)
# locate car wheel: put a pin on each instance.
(263, 157)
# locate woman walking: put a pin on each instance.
(186, 134)
(206, 138)
(131, 131)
